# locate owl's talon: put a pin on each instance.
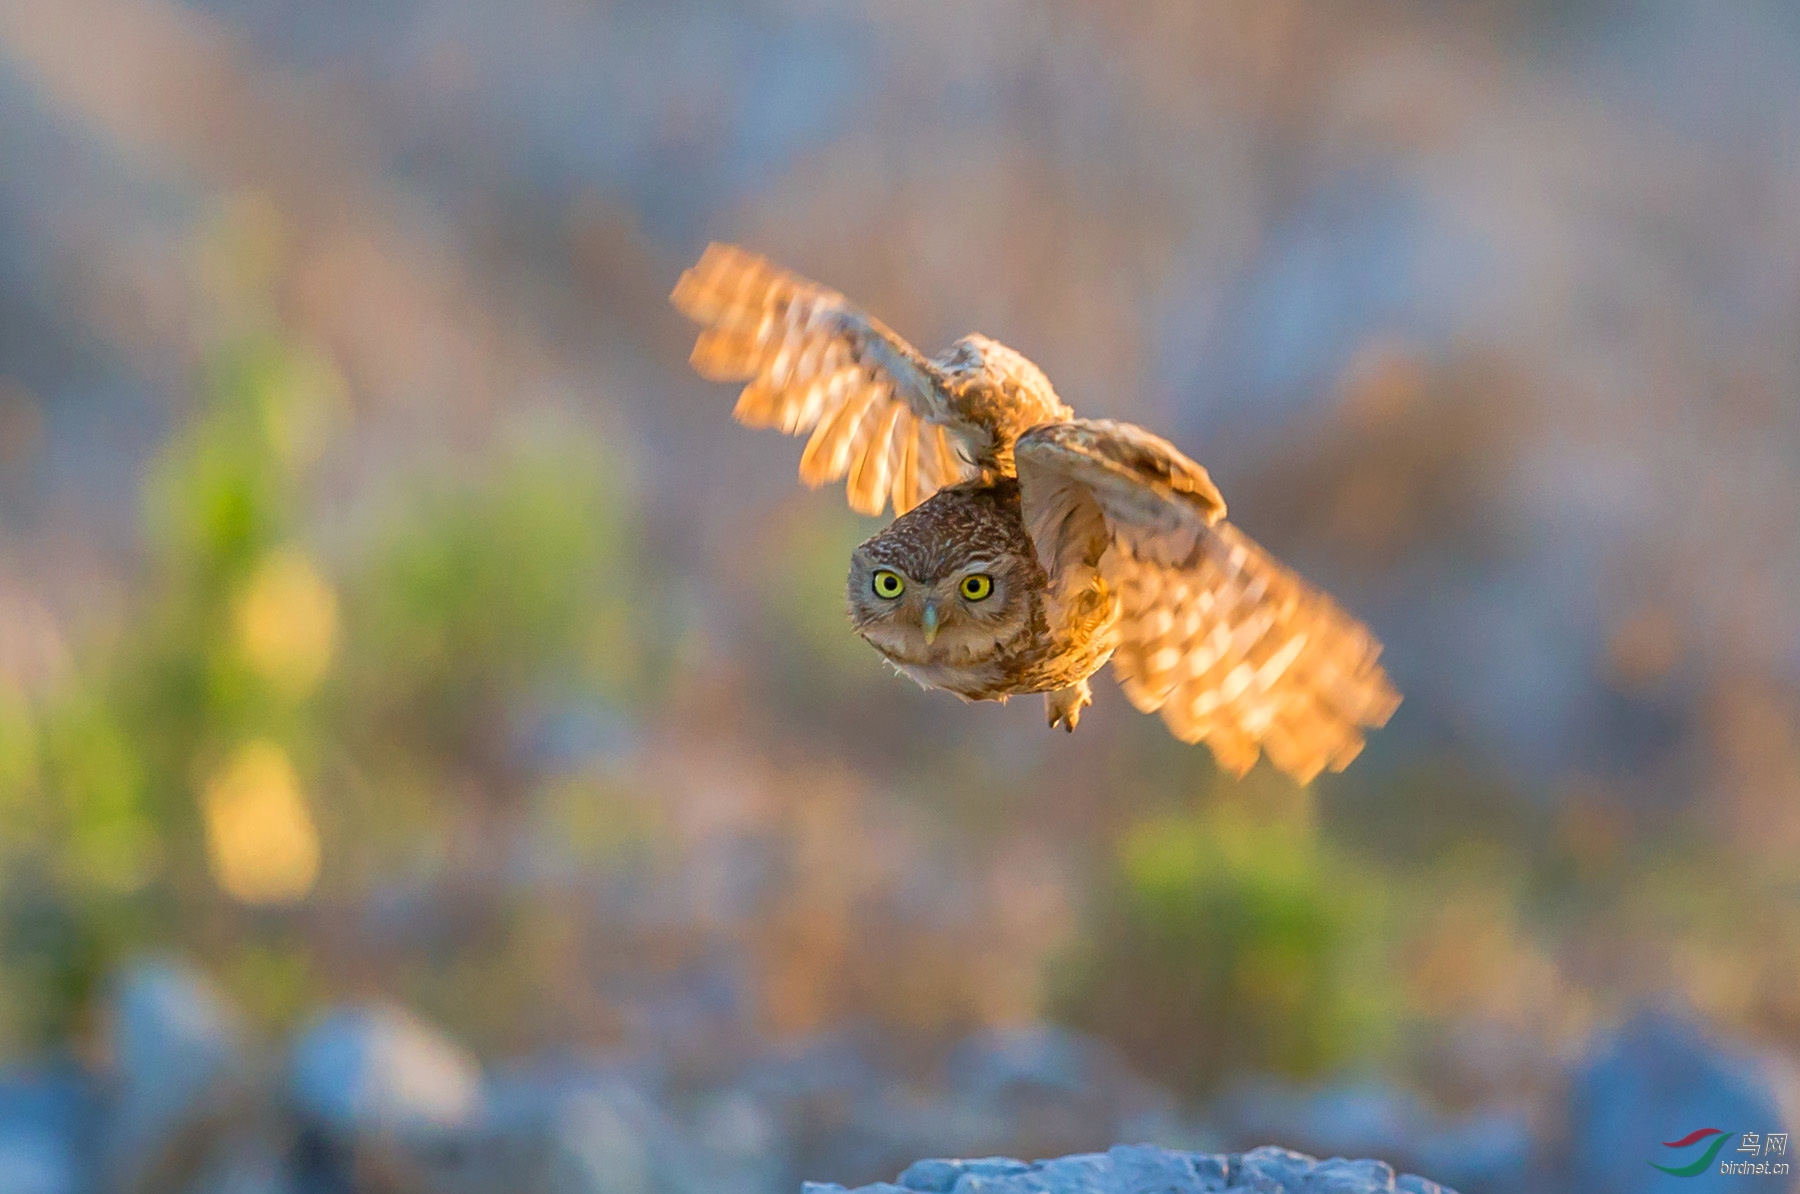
(1063, 707)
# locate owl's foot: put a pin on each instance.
(1063, 707)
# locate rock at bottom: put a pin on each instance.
(1142, 1169)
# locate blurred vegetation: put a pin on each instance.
(270, 731)
(1230, 939)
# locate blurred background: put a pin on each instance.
(432, 752)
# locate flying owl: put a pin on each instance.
(1030, 547)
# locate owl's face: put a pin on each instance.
(951, 583)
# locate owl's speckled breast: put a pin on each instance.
(1018, 675)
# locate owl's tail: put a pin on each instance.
(1238, 652)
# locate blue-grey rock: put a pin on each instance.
(1338, 1176)
(1052, 1091)
(1143, 1169)
(1658, 1079)
(379, 1070)
(1408, 1183)
(599, 1142)
(1272, 1170)
(1009, 1062)
(610, 1139)
(1147, 1170)
(1085, 1173)
(836, 1106)
(178, 1063)
(947, 1175)
(1490, 1151)
(47, 1121)
(933, 1177)
(741, 1143)
(250, 1164)
(595, 1129)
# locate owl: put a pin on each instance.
(1031, 547)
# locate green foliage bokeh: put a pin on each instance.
(1228, 940)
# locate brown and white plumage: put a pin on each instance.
(899, 426)
(1087, 539)
(1233, 648)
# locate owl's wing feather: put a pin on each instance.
(1148, 496)
(876, 409)
(1230, 646)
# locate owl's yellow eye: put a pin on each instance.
(976, 586)
(888, 584)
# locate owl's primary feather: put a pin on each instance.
(1231, 647)
(1085, 539)
(899, 426)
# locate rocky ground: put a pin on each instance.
(179, 1098)
(1141, 1169)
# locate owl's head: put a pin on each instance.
(952, 582)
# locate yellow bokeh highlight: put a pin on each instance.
(286, 621)
(260, 836)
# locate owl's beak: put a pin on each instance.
(931, 622)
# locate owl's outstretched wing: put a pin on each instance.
(876, 408)
(1233, 648)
